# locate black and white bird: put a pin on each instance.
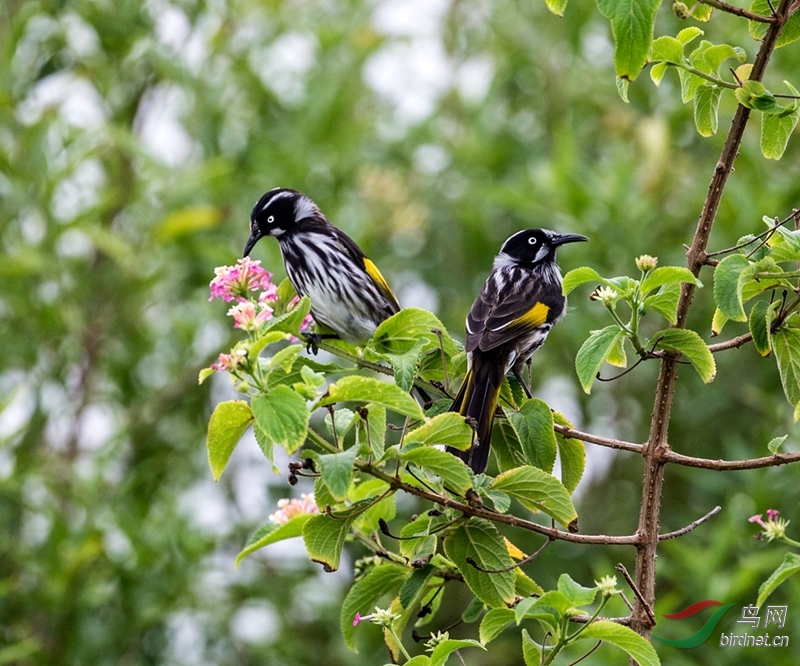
(348, 294)
(508, 322)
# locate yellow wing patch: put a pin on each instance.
(375, 274)
(534, 317)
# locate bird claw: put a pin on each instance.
(312, 342)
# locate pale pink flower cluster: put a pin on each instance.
(288, 509)
(233, 282)
(229, 361)
(250, 316)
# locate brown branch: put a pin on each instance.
(690, 526)
(657, 447)
(737, 11)
(583, 619)
(487, 514)
(566, 431)
(732, 465)
(733, 343)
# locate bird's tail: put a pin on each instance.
(477, 398)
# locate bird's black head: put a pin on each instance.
(535, 246)
(278, 212)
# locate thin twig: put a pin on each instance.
(516, 565)
(764, 236)
(690, 526)
(637, 592)
(738, 11)
(583, 619)
(732, 465)
(566, 431)
(580, 659)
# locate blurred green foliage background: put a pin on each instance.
(134, 138)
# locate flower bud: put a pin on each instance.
(646, 262)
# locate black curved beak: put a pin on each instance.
(561, 239)
(254, 238)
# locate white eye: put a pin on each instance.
(532, 241)
(271, 219)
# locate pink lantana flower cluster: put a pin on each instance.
(234, 282)
(288, 509)
(239, 283)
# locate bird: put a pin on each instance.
(348, 293)
(520, 302)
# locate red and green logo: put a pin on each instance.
(701, 636)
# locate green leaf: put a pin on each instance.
(711, 58)
(282, 416)
(449, 429)
(718, 322)
(533, 424)
(790, 32)
(454, 473)
(382, 580)
(578, 595)
(204, 374)
(702, 12)
(572, 453)
(775, 443)
(582, 275)
(706, 109)
(414, 583)
(616, 355)
(531, 650)
(337, 472)
(691, 345)
(479, 540)
(624, 638)
(406, 365)
(419, 660)
(759, 329)
(657, 72)
(271, 533)
(593, 353)
(267, 447)
(776, 130)
(786, 344)
(285, 358)
(689, 85)
(494, 622)
(227, 425)
(368, 389)
(402, 332)
(291, 321)
(668, 49)
(665, 302)
(727, 292)
(537, 491)
(419, 528)
(442, 651)
(632, 26)
(665, 275)
(689, 34)
(376, 422)
(789, 567)
(556, 6)
(369, 520)
(622, 89)
(473, 611)
(324, 539)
